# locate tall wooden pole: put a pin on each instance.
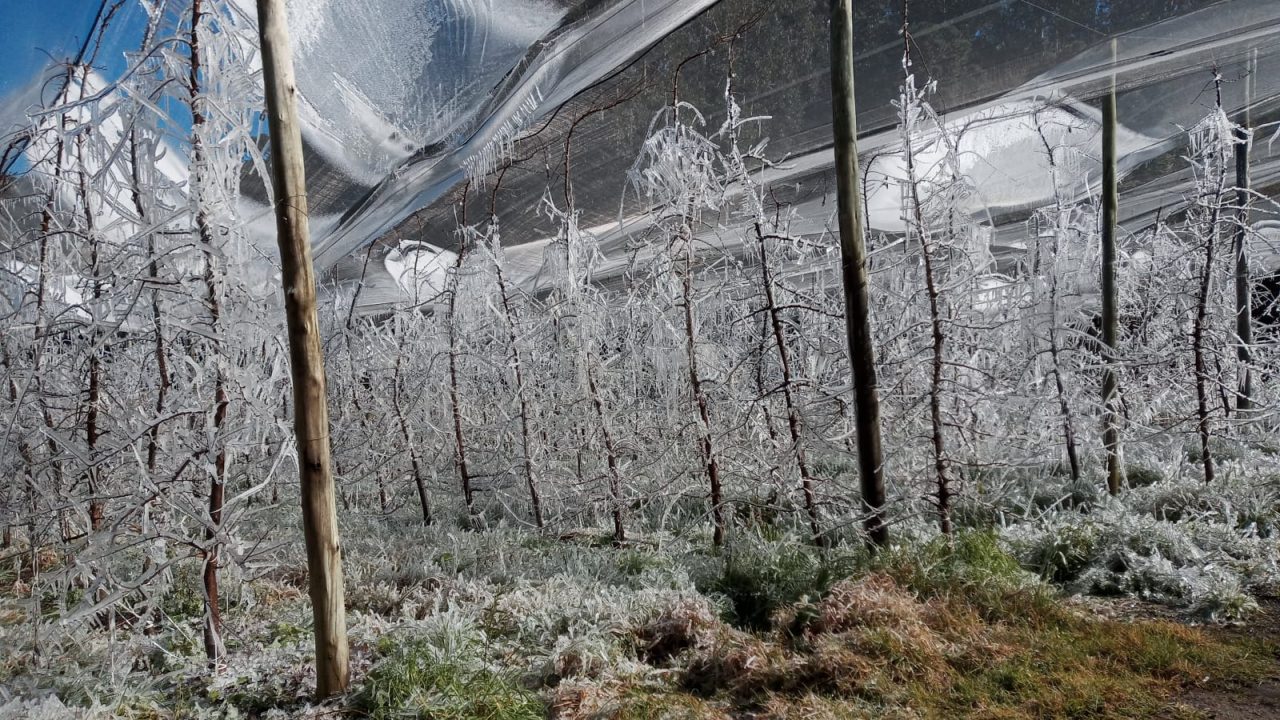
(1110, 313)
(853, 268)
(311, 414)
(1244, 290)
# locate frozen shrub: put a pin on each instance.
(586, 657)
(380, 599)
(1149, 577)
(1176, 501)
(1142, 476)
(637, 562)
(47, 708)
(1222, 449)
(1217, 595)
(1059, 553)
(1207, 561)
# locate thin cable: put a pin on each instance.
(1041, 8)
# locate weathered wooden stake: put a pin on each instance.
(853, 267)
(1110, 314)
(1244, 286)
(311, 414)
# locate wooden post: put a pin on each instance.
(1110, 314)
(853, 267)
(1244, 290)
(311, 414)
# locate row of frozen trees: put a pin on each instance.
(145, 401)
(144, 359)
(715, 384)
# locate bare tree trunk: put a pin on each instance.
(1068, 426)
(853, 267)
(213, 645)
(795, 424)
(1055, 348)
(24, 447)
(944, 493)
(1202, 311)
(455, 402)
(1197, 348)
(42, 319)
(93, 402)
(711, 464)
(415, 463)
(157, 323)
(311, 415)
(942, 480)
(522, 394)
(611, 455)
(763, 393)
(1110, 304)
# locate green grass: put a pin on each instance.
(408, 682)
(1065, 666)
(761, 577)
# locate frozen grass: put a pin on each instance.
(509, 623)
(504, 624)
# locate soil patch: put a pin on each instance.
(1216, 700)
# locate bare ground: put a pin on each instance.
(1218, 701)
(1213, 698)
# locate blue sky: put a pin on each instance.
(38, 34)
(33, 30)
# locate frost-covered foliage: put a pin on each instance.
(1177, 542)
(531, 481)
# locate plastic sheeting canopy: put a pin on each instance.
(405, 102)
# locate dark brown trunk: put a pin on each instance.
(213, 645)
(943, 495)
(1064, 405)
(157, 323)
(459, 438)
(611, 456)
(517, 366)
(711, 465)
(214, 648)
(41, 325)
(1068, 426)
(97, 509)
(415, 464)
(795, 423)
(1202, 312)
(942, 480)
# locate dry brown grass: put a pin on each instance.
(874, 648)
(629, 701)
(875, 601)
(688, 624)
